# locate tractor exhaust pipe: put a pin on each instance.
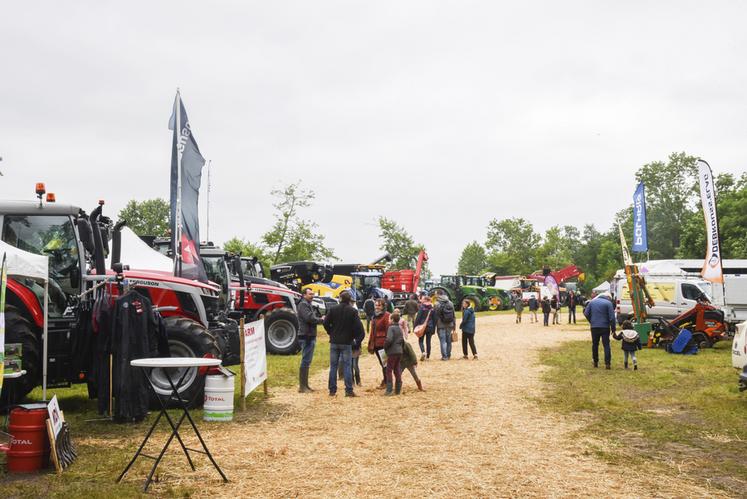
(117, 242)
(98, 253)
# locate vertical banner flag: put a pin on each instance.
(640, 239)
(255, 356)
(3, 285)
(712, 269)
(186, 175)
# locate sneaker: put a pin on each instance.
(635, 367)
(422, 356)
(465, 357)
(474, 357)
(332, 394)
(607, 366)
(350, 394)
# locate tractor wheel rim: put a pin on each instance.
(281, 334)
(158, 376)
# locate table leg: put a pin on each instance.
(197, 432)
(142, 445)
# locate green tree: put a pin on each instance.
(147, 218)
(670, 200)
(512, 246)
(247, 248)
(473, 260)
(291, 237)
(400, 245)
(731, 202)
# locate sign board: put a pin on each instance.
(255, 356)
(55, 416)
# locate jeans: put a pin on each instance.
(468, 337)
(307, 350)
(425, 344)
(547, 318)
(340, 353)
(602, 333)
(571, 315)
(444, 336)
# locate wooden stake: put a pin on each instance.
(241, 357)
(264, 385)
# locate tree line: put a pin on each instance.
(676, 229)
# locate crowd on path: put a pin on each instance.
(389, 330)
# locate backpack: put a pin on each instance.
(629, 336)
(446, 312)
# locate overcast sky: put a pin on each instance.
(440, 115)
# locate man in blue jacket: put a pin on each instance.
(601, 316)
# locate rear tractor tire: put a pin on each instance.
(187, 338)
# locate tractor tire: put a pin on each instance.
(281, 332)
(702, 340)
(187, 338)
(474, 301)
(18, 330)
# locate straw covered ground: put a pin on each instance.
(476, 432)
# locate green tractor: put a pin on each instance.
(459, 288)
(495, 299)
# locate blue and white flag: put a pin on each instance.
(640, 240)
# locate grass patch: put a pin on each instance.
(109, 445)
(674, 413)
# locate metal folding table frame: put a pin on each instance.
(167, 363)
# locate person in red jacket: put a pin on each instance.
(379, 327)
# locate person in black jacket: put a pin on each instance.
(546, 310)
(344, 327)
(308, 319)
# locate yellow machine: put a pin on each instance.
(332, 289)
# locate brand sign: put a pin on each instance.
(255, 355)
(640, 239)
(712, 270)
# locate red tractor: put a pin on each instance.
(76, 245)
(404, 283)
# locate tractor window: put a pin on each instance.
(52, 236)
(215, 269)
(448, 281)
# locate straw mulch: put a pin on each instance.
(476, 432)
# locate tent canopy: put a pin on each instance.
(138, 255)
(602, 288)
(24, 264)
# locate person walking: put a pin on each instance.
(379, 328)
(411, 310)
(344, 326)
(601, 316)
(428, 317)
(445, 323)
(533, 306)
(308, 320)
(546, 310)
(518, 307)
(631, 343)
(572, 302)
(468, 330)
(409, 361)
(555, 306)
(394, 347)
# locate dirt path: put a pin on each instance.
(475, 433)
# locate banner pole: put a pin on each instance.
(241, 363)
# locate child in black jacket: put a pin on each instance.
(631, 342)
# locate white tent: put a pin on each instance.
(139, 255)
(24, 264)
(602, 288)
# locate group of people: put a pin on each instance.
(550, 307)
(389, 331)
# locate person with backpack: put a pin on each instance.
(394, 348)
(425, 317)
(379, 328)
(533, 307)
(344, 327)
(468, 329)
(546, 310)
(631, 342)
(518, 307)
(445, 323)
